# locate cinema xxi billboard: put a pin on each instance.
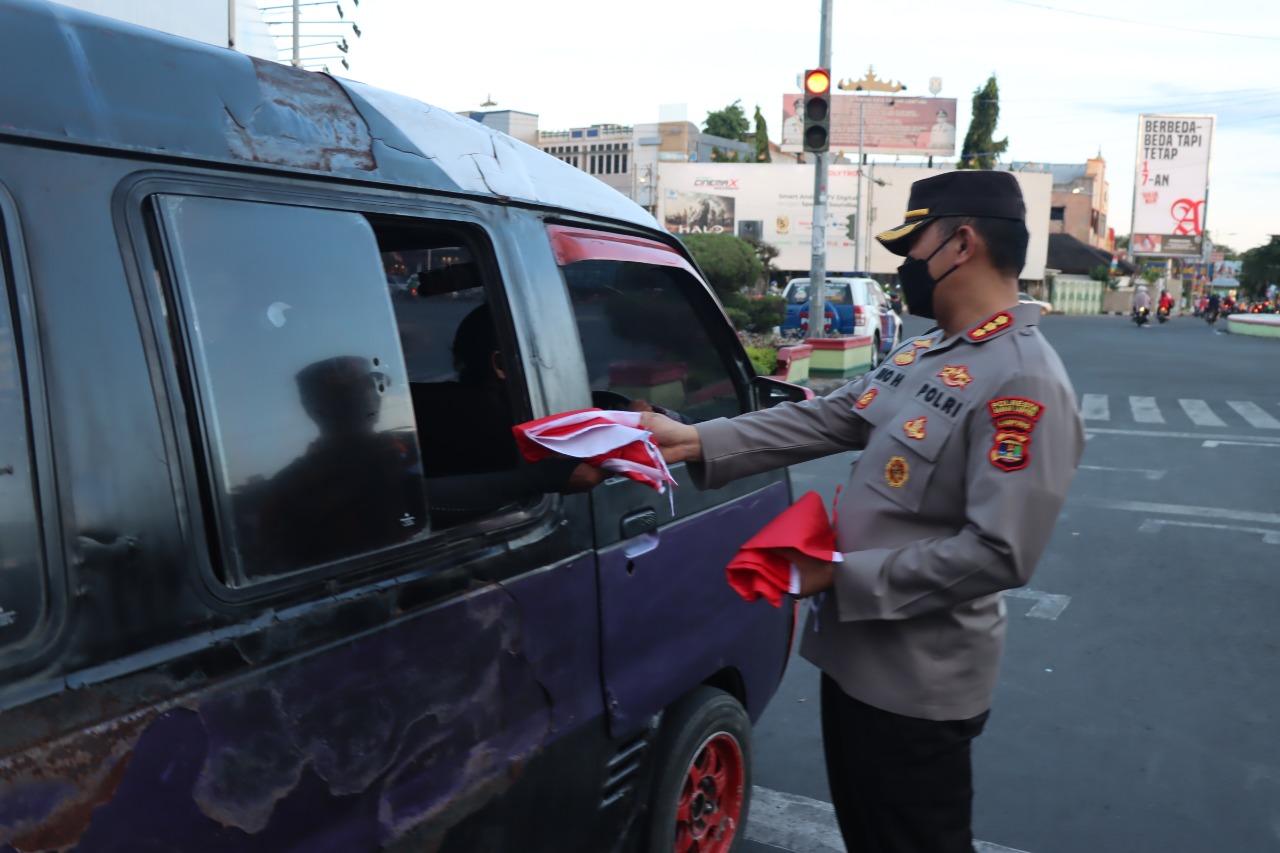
(1171, 184)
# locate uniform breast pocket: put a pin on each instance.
(907, 455)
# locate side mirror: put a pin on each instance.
(769, 392)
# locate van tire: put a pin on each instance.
(705, 744)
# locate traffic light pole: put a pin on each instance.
(818, 264)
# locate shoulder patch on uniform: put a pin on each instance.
(905, 357)
(915, 427)
(865, 399)
(924, 344)
(897, 472)
(1015, 419)
(991, 326)
(955, 375)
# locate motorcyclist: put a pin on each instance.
(1141, 303)
(1166, 302)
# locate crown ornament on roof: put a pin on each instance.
(871, 83)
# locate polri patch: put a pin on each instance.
(925, 344)
(897, 472)
(915, 428)
(955, 376)
(991, 326)
(904, 358)
(865, 399)
(1015, 418)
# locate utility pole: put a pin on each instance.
(297, 33)
(818, 264)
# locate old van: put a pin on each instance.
(271, 575)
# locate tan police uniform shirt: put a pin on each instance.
(969, 447)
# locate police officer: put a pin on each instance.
(970, 437)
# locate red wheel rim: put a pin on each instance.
(710, 807)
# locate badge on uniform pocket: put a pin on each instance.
(897, 472)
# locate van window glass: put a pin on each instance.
(643, 339)
(23, 585)
(300, 382)
(464, 373)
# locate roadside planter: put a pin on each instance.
(794, 363)
(841, 358)
(1256, 325)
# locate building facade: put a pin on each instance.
(1079, 202)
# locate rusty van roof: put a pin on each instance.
(76, 77)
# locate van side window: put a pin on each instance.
(464, 372)
(299, 382)
(24, 591)
(643, 339)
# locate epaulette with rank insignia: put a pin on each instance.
(991, 327)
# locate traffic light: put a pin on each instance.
(852, 226)
(817, 109)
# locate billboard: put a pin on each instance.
(1171, 184)
(890, 124)
(775, 200)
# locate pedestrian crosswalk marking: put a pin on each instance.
(1094, 407)
(1254, 414)
(1201, 414)
(1145, 410)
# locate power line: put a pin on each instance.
(1196, 30)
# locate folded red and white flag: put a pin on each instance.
(757, 572)
(612, 441)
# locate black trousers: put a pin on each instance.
(898, 784)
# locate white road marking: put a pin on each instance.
(803, 825)
(1181, 509)
(1157, 525)
(1264, 441)
(1238, 444)
(1048, 605)
(1145, 410)
(1147, 473)
(1201, 414)
(1254, 414)
(1093, 407)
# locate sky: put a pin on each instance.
(1074, 74)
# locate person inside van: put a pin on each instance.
(355, 488)
(471, 461)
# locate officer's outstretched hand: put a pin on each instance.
(815, 575)
(678, 442)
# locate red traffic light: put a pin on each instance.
(817, 81)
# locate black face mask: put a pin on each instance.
(918, 284)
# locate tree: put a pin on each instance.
(728, 123)
(766, 252)
(719, 155)
(1261, 267)
(1122, 242)
(981, 150)
(762, 138)
(729, 263)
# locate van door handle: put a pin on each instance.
(638, 523)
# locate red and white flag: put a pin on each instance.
(612, 441)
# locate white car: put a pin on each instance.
(1028, 299)
(860, 305)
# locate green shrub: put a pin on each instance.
(767, 312)
(729, 263)
(764, 359)
(739, 318)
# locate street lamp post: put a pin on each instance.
(869, 83)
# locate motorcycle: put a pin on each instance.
(1141, 316)
(1162, 314)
